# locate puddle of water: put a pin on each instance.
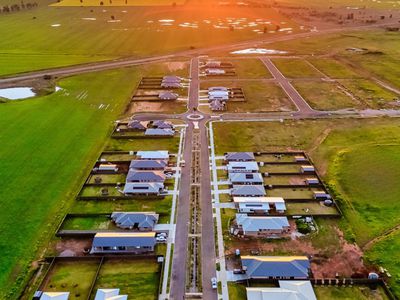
(17, 93)
(258, 51)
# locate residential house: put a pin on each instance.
(276, 267)
(142, 221)
(288, 289)
(307, 169)
(161, 124)
(149, 164)
(145, 176)
(54, 296)
(218, 88)
(312, 181)
(217, 105)
(242, 167)
(171, 82)
(109, 294)
(262, 226)
(260, 205)
(137, 125)
(152, 155)
(321, 195)
(168, 95)
(123, 242)
(213, 64)
(215, 72)
(218, 97)
(159, 132)
(246, 178)
(239, 156)
(248, 191)
(143, 188)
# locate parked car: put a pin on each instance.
(214, 284)
(238, 271)
(161, 239)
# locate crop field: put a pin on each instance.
(296, 68)
(39, 136)
(325, 95)
(357, 158)
(69, 35)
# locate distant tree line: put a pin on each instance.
(17, 7)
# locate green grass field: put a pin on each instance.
(333, 68)
(49, 146)
(139, 279)
(296, 68)
(250, 68)
(349, 293)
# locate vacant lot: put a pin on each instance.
(349, 293)
(325, 95)
(170, 144)
(296, 68)
(49, 144)
(250, 68)
(139, 279)
(332, 68)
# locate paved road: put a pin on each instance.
(105, 65)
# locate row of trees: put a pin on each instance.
(17, 7)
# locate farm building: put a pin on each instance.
(123, 242)
(312, 181)
(145, 176)
(248, 191)
(109, 294)
(168, 96)
(161, 124)
(307, 169)
(261, 226)
(142, 221)
(288, 289)
(152, 155)
(242, 167)
(108, 168)
(239, 156)
(246, 178)
(137, 125)
(159, 132)
(149, 164)
(217, 105)
(260, 205)
(210, 71)
(143, 188)
(276, 267)
(54, 296)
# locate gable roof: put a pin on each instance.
(288, 290)
(217, 88)
(135, 124)
(248, 190)
(109, 294)
(246, 177)
(148, 164)
(145, 176)
(243, 156)
(55, 296)
(162, 124)
(159, 131)
(276, 266)
(168, 95)
(160, 154)
(259, 199)
(171, 78)
(252, 224)
(143, 187)
(129, 219)
(242, 166)
(127, 239)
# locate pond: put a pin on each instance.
(17, 93)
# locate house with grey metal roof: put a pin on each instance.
(261, 226)
(217, 105)
(149, 164)
(260, 205)
(171, 85)
(159, 132)
(246, 178)
(242, 167)
(123, 242)
(163, 124)
(143, 188)
(276, 267)
(145, 176)
(287, 290)
(54, 296)
(218, 88)
(109, 294)
(239, 156)
(248, 190)
(142, 221)
(137, 125)
(153, 155)
(168, 95)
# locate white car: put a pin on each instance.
(214, 284)
(161, 239)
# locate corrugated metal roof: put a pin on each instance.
(143, 187)
(148, 164)
(145, 176)
(246, 177)
(253, 224)
(249, 156)
(124, 239)
(248, 190)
